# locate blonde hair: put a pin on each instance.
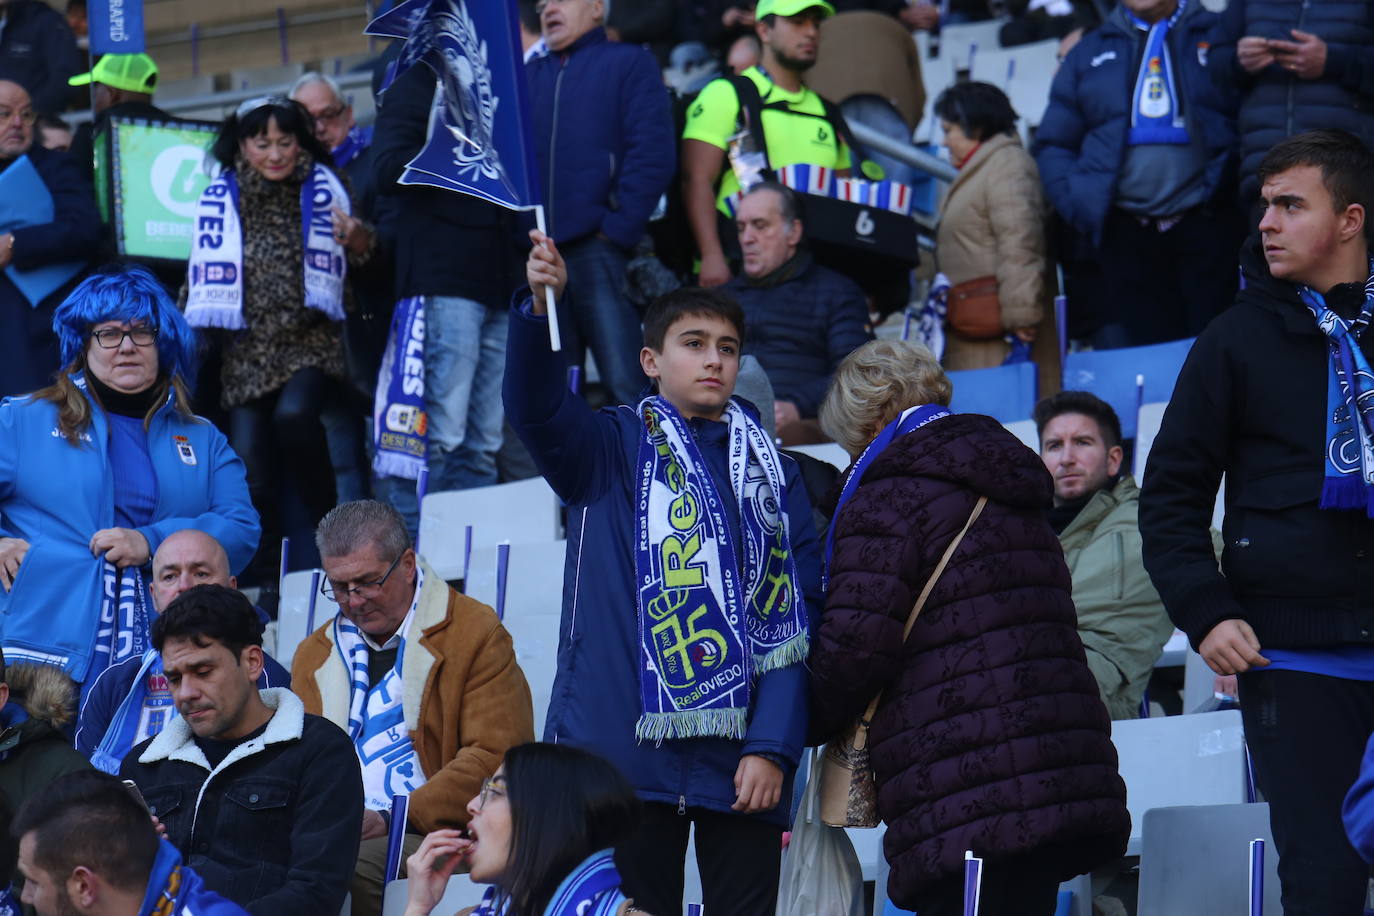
(877, 382)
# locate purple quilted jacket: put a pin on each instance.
(990, 735)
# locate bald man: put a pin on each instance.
(131, 702)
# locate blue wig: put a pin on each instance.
(126, 293)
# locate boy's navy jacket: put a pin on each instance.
(590, 461)
(1080, 145)
(605, 143)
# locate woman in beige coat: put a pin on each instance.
(992, 227)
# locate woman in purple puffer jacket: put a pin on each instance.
(990, 735)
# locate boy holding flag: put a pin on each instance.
(693, 565)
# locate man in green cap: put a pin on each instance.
(794, 122)
(123, 86)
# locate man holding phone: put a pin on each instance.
(1296, 67)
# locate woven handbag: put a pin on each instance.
(849, 794)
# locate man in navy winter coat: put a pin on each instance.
(605, 148)
(803, 318)
(1134, 151)
(37, 49)
(1296, 67)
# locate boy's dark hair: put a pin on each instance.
(981, 110)
(1346, 164)
(565, 804)
(1089, 405)
(89, 818)
(691, 300)
(210, 612)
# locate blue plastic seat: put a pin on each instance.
(1005, 393)
(1112, 374)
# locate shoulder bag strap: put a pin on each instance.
(751, 112)
(842, 133)
(929, 587)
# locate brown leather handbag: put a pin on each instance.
(974, 311)
(849, 793)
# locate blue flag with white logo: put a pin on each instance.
(479, 134)
(116, 26)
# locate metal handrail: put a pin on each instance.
(904, 152)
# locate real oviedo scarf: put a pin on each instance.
(215, 272)
(910, 420)
(399, 419)
(1348, 482)
(591, 889)
(1156, 112)
(713, 614)
(376, 716)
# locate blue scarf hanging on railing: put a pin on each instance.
(1156, 104)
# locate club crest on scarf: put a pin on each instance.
(1157, 112)
(1348, 479)
(713, 614)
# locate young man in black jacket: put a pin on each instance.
(262, 799)
(1277, 395)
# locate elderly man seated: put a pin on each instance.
(422, 678)
(803, 318)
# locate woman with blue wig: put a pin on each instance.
(97, 469)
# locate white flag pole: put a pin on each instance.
(555, 339)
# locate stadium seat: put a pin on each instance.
(1197, 860)
(1180, 760)
(1005, 393)
(829, 452)
(1024, 73)
(1112, 375)
(1148, 420)
(294, 617)
(523, 512)
(957, 43)
(1025, 431)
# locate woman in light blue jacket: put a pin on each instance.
(98, 468)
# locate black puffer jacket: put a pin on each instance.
(1251, 402)
(1275, 103)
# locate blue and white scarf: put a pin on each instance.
(713, 614)
(911, 419)
(125, 615)
(376, 718)
(1156, 112)
(1348, 482)
(141, 715)
(591, 889)
(174, 889)
(354, 145)
(399, 421)
(215, 272)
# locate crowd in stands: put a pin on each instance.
(339, 333)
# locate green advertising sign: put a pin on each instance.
(156, 176)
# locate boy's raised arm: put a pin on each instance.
(574, 449)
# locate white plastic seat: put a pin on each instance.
(523, 512)
(1197, 860)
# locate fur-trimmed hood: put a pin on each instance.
(43, 691)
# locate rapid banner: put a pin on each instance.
(149, 176)
(116, 26)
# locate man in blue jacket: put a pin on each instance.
(37, 49)
(86, 847)
(1134, 151)
(606, 155)
(693, 565)
(804, 318)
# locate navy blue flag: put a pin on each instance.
(479, 134)
(116, 26)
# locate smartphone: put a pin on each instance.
(132, 788)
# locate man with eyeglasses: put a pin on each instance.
(57, 228)
(131, 701)
(422, 678)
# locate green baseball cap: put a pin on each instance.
(130, 72)
(791, 7)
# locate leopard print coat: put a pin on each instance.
(283, 335)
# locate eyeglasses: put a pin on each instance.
(329, 114)
(113, 338)
(492, 787)
(340, 592)
(26, 116)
